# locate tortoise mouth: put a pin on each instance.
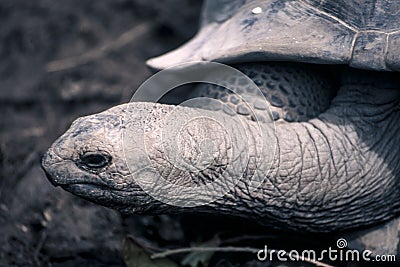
(84, 186)
(86, 190)
(90, 190)
(106, 196)
(99, 194)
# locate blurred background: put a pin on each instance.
(60, 60)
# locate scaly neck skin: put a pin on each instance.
(335, 172)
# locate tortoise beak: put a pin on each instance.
(49, 177)
(48, 161)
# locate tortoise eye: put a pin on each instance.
(95, 160)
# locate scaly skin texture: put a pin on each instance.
(295, 93)
(335, 172)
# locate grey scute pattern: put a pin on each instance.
(293, 94)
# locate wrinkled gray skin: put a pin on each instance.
(336, 167)
(337, 171)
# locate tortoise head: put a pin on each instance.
(87, 160)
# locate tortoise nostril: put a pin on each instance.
(95, 160)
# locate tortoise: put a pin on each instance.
(328, 70)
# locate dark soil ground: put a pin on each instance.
(40, 96)
(41, 225)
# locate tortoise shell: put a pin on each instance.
(361, 33)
